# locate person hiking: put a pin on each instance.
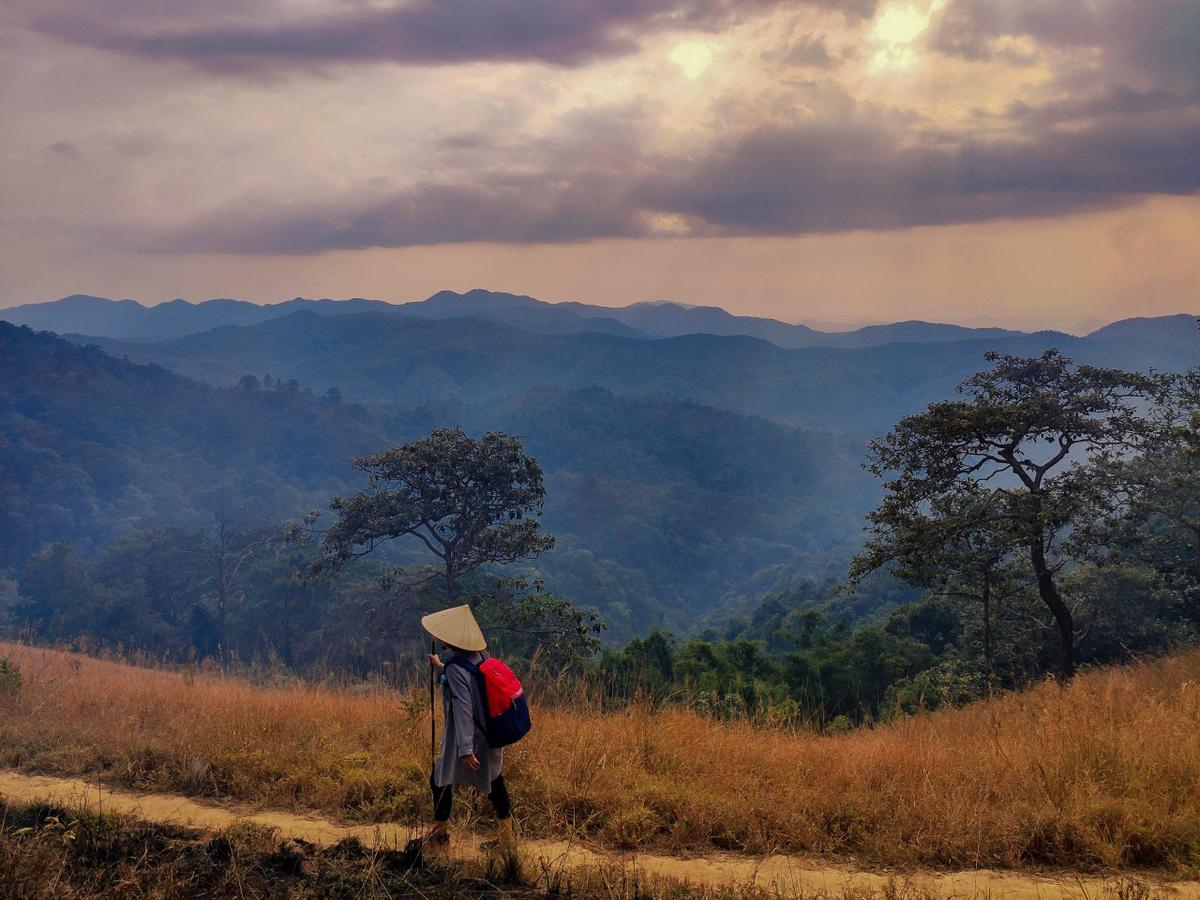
(465, 756)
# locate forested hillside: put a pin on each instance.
(389, 359)
(672, 500)
(135, 495)
(95, 446)
(661, 507)
(1080, 558)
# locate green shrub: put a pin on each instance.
(10, 676)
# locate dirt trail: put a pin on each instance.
(786, 874)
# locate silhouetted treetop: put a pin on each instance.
(469, 501)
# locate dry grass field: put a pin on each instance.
(1104, 773)
(63, 853)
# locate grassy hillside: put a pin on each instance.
(97, 854)
(1102, 773)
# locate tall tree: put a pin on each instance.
(226, 553)
(1025, 428)
(961, 545)
(470, 502)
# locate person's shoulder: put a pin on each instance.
(458, 669)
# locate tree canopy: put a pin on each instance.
(469, 501)
(1009, 459)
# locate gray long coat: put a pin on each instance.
(464, 709)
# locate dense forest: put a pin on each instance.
(1108, 540)
(661, 506)
(148, 511)
(95, 447)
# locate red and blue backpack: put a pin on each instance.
(504, 698)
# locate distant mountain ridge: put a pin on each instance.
(406, 360)
(1177, 331)
(129, 320)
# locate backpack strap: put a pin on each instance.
(473, 668)
(457, 660)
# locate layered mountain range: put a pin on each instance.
(481, 347)
(694, 459)
(130, 320)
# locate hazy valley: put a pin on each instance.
(691, 473)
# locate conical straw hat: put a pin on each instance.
(456, 627)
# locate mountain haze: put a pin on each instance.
(390, 359)
(663, 508)
(686, 474)
(94, 446)
(1182, 331)
(130, 320)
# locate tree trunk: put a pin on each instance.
(287, 630)
(1196, 554)
(223, 646)
(987, 630)
(1062, 613)
(222, 599)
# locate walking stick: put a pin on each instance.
(414, 848)
(432, 717)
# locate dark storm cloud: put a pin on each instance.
(967, 27)
(1111, 101)
(1155, 39)
(505, 208)
(837, 177)
(1124, 72)
(1099, 136)
(423, 32)
(816, 178)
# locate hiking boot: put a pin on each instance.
(436, 839)
(505, 840)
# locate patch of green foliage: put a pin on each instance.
(10, 676)
(796, 661)
(156, 592)
(1115, 544)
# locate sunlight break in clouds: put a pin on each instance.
(895, 32)
(376, 149)
(693, 57)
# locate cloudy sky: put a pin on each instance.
(1011, 161)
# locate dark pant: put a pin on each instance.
(443, 799)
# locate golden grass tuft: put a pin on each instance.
(1103, 773)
